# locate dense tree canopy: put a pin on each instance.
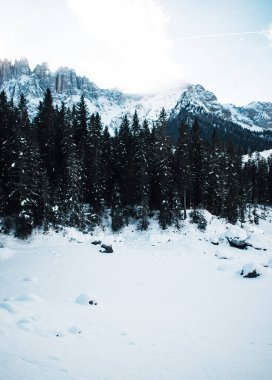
(65, 169)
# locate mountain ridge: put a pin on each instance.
(66, 86)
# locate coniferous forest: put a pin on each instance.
(65, 169)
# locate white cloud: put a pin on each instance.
(126, 43)
(268, 34)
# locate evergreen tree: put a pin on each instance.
(212, 194)
(142, 183)
(269, 162)
(80, 128)
(151, 154)
(197, 166)
(233, 185)
(262, 181)
(28, 186)
(164, 160)
(183, 173)
(176, 209)
(60, 127)
(107, 162)
(117, 216)
(46, 132)
(8, 157)
(95, 170)
(122, 162)
(73, 204)
(80, 124)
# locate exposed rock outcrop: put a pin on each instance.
(66, 86)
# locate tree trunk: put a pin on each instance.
(184, 201)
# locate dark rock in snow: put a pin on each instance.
(236, 237)
(221, 257)
(96, 242)
(249, 244)
(251, 270)
(252, 274)
(107, 248)
(240, 244)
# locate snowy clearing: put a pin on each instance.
(164, 305)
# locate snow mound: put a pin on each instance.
(8, 307)
(5, 253)
(214, 238)
(159, 238)
(30, 279)
(74, 330)
(257, 241)
(84, 299)
(270, 263)
(236, 236)
(221, 256)
(251, 270)
(27, 298)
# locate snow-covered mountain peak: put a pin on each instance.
(199, 92)
(42, 70)
(66, 86)
(196, 99)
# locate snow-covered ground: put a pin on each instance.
(170, 305)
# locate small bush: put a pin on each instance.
(198, 218)
(256, 217)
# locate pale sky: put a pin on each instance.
(143, 46)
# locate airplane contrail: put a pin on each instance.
(220, 35)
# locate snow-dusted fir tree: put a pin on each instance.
(80, 122)
(137, 158)
(176, 209)
(8, 158)
(183, 168)
(232, 168)
(269, 163)
(73, 200)
(163, 156)
(142, 183)
(262, 182)
(197, 166)
(27, 165)
(117, 211)
(95, 176)
(107, 159)
(122, 161)
(212, 191)
(45, 123)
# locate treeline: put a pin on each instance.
(247, 140)
(65, 169)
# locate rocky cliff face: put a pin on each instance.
(258, 114)
(67, 87)
(9, 71)
(255, 116)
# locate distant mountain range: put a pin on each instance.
(66, 86)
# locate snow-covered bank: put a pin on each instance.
(254, 156)
(170, 305)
